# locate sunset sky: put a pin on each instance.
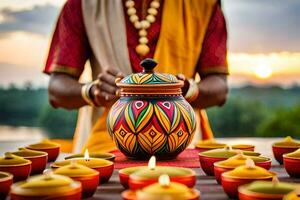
(264, 40)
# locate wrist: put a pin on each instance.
(193, 91)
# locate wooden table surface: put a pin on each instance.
(208, 187)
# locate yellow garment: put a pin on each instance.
(184, 25)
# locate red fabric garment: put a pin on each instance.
(70, 47)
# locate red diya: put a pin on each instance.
(287, 145)
(88, 177)
(6, 180)
(208, 158)
(265, 190)
(103, 155)
(38, 159)
(48, 186)
(19, 167)
(239, 160)
(149, 175)
(47, 146)
(291, 163)
(125, 173)
(242, 175)
(164, 189)
(104, 167)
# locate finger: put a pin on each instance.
(108, 78)
(104, 87)
(115, 72)
(181, 77)
(107, 96)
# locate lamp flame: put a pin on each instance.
(250, 163)
(86, 155)
(152, 163)
(164, 180)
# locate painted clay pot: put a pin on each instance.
(47, 186)
(265, 190)
(6, 180)
(52, 148)
(19, 167)
(287, 145)
(151, 117)
(38, 158)
(291, 162)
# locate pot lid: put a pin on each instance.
(288, 142)
(238, 160)
(75, 169)
(10, 160)
(226, 152)
(249, 171)
(24, 152)
(149, 81)
(270, 187)
(46, 184)
(294, 154)
(45, 144)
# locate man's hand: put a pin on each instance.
(104, 93)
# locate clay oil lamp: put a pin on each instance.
(19, 167)
(208, 158)
(38, 159)
(52, 148)
(294, 195)
(88, 177)
(291, 163)
(6, 180)
(265, 190)
(150, 174)
(242, 175)
(103, 155)
(244, 147)
(47, 186)
(125, 173)
(239, 160)
(287, 145)
(164, 189)
(209, 144)
(104, 167)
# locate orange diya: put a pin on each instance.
(208, 158)
(38, 158)
(242, 175)
(6, 180)
(149, 175)
(104, 167)
(52, 148)
(88, 177)
(291, 163)
(125, 173)
(164, 189)
(239, 160)
(47, 186)
(265, 190)
(287, 145)
(18, 166)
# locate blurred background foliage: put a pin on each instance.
(249, 112)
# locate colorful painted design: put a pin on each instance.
(155, 126)
(149, 79)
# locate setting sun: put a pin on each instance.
(263, 72)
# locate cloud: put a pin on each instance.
(263, 25)
(38, 19)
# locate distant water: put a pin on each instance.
(10, 133)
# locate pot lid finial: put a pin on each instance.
(148, 64)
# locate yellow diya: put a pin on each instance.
(241, 175)
(208, 158)
(150, 174)
(16, 165)
(164, 189)
(264, 190)
(47, 146)
(287, 145)
(239, 160)
(104, 167)
(47, 186)
(205, 145)
(88, 177)
(291, 163)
